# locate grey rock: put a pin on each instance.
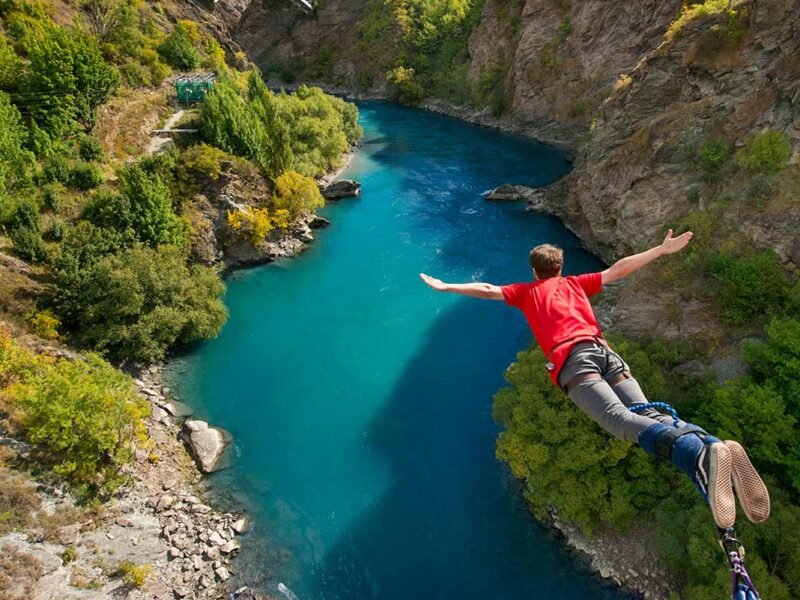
(69, 535)
(207, 444)
(343, 188)
(241, 525)
(216, 539)
(165, 502)
(169, 484)
(222, 573)
(318, 222)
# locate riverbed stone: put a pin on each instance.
(241, 525)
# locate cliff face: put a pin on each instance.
(640, 162)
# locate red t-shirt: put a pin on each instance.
(558, 312)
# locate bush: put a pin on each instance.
(766, 152)
(178, 49)
(748, 287)
(15, 162)
(83, 246)
(85, 175)
(83, 413)
(56, 169)
(140, 302)
(135, 75)
(200, 161)
(252, 223)
(297, 194)
(144, 208)
(404, 85)
(51, 196)
(90, 148)
(45, 324)
(132, 575)
(23, 228)
(712, 157)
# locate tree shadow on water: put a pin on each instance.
(451, 525)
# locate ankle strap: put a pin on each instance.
(666, 439)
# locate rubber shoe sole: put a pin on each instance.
(748, 486)
(720, 488)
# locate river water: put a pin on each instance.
(360, 400)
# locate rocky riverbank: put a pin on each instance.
(155, 539)
(630, 560)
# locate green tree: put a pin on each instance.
(68, 80)
(178, 50)
(140, 302)
(15, 162)
(144, 207)
(297, 193)
(765, 152)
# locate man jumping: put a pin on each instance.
(599, 382)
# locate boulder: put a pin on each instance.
(343, 188)
(241, 525)
(207, 444)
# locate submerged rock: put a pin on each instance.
(207, 444)
(343, 188)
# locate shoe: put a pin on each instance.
(703, 458)
(714, 474)
(748, 486)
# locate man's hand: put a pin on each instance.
(626, 266)
(437, 284)
(671, 245)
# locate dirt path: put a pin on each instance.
(158, 142)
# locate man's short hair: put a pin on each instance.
(547, 260)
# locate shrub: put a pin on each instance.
(134, 576)
(252, 223)
(712, 157)
(51, 196)
(693, 11)
(201, 160)
(748, 287)
(135, 75)
(404, 85)
(85, 175)
(178, 49)
(56, 169)
(297, 194)
(83, 246)
(83, 413)
(140, 302)
(45, 324)
(68, 555)
(90, 148)
(23, 229)
(15, 162)
(144, 207)
(766, 152)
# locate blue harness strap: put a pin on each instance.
(637, 408)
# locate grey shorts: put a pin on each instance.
(592, 357)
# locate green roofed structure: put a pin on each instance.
(193, 88)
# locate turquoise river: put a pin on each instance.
(360, 401)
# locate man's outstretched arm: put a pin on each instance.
(629, 264)
(486, 291)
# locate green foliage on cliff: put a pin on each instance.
(765, 152)
(85, 415)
